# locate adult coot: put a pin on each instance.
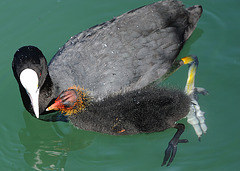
(114, 60)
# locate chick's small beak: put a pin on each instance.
(55, 106)
(52, 107)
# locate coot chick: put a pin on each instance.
(128, 52)
(146, 110)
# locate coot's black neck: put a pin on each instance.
(46, 95)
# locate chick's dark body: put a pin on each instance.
(141, 111)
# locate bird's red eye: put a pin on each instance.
(40, 74)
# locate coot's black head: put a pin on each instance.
(30, 70)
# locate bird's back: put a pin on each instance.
(128, 52)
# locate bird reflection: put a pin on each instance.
(47, 144)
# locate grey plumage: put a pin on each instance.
(128, 52)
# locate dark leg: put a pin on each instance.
(172, 145)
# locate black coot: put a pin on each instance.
(115, 60)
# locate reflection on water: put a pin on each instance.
(47, 144)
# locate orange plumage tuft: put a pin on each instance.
(81, 103)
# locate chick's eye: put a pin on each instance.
(40, 74)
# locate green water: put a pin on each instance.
(30, 144)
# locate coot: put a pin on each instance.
(115, 62)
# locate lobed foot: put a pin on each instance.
(171, 150)
(196, 117)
